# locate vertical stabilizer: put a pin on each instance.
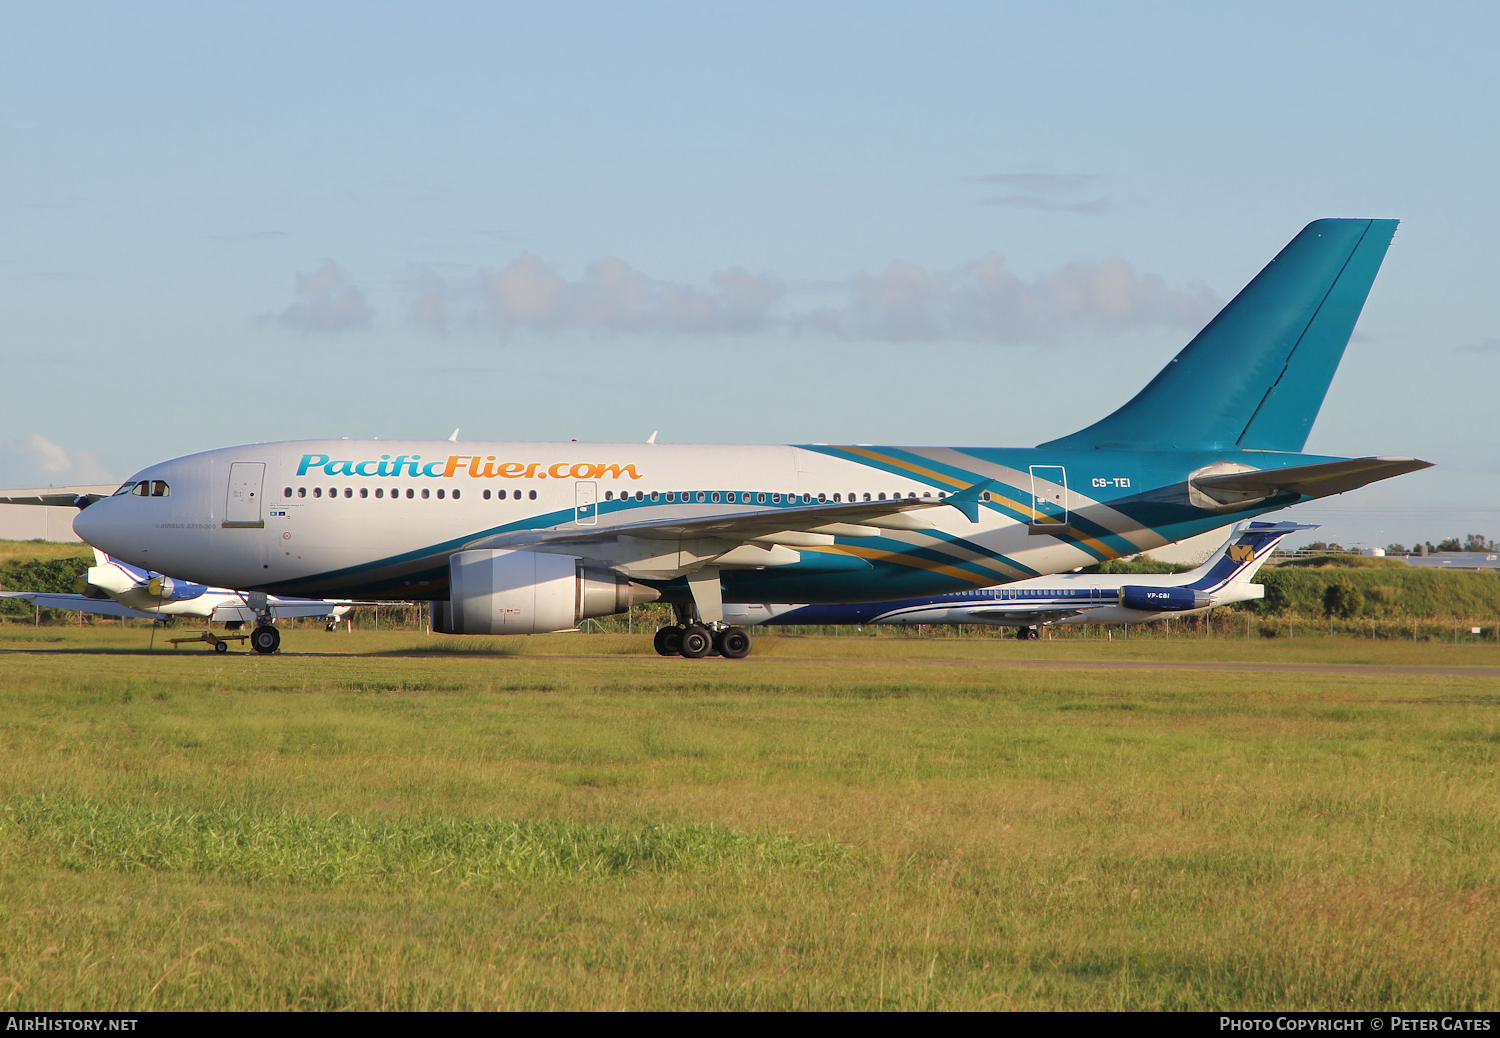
(1240, 557)
(1256, 376)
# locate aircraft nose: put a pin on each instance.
(89, 524)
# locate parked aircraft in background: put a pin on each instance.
(1067, 598)
(113, 588)
(518, 538)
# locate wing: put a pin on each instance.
(851, 519)
(1012, 615)
(59, 497)
(78, 604)
(286, 608)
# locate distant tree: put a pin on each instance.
(1476, 542)
(1395, 549)
(1342, 599)
(1276, 599)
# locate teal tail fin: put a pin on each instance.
(1255, 377)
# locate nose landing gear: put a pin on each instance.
(265, 639)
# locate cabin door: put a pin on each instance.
(1049, 496)
(586, 503)
(246, 479)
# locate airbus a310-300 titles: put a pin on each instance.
(515, 538)
(1067, 598)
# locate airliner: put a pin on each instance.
(520, 538)
(113, 588)
(1068, 598)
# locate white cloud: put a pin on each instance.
(982, 301)
(614, 296)
(34, 461)
(326, 302)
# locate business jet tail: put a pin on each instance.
(1255, 377)
(1241, 556)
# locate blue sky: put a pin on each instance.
(958, 224)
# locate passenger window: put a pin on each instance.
(301, 491)
(822, 498)
(364, 491)
(882, 497)
(927, 493)
(729, 497)
(807, 499)
(836, 498)
(486, 495)
(317, 491)
(640, 495)
(713, 497)
(455, 495)
(867, 497)
(760, 499)
(380, 492)
(609, 495)
(700, 495)
(775, 499)
(348, 491)
(409, 493)
(287, 492)
(425, 493)
(531, 495)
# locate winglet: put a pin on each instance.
(967, 501)
(454, 437)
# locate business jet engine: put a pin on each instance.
(529, 592)
(1163, 599)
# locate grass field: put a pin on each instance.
(418, 822)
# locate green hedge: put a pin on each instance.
(54, 575)
(1390, 590)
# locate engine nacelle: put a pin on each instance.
(529, 592)
(1163, 599)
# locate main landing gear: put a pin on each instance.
(696, 640)
(1028, 634)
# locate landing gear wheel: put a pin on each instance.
(733, 643)
(1034, 634)
(668, 641)
(265, 639)
(331, 626)
(221, 646)
(697, 642)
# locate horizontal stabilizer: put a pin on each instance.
(1321, 480)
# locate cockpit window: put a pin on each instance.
(127, 488)
(159, 488)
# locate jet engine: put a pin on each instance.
(529, 592)
(1163, 599)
